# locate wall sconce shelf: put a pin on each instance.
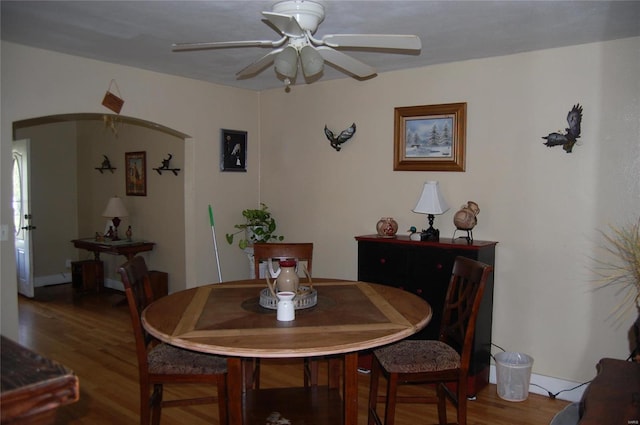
(166, 167)
(106, 165)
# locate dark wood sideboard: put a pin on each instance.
(424, 268)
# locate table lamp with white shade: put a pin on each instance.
(114, 210)
(431, 202)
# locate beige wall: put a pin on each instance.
(156, 217)
(192, 107)
(544, 206)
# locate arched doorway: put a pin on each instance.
(67, 151)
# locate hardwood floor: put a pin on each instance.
(91, 334)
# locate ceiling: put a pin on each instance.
(140, 33)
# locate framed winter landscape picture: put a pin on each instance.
(430, 138)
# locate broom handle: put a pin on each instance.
(215, 243)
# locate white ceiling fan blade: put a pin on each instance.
(258, 65)
(286, 24)
(346, 62)
(182, 47)
(374, 41)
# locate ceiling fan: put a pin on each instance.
(297, 21)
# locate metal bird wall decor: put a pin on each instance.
(574, 118)
(342, 137)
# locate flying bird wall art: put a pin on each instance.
(567, 140)
(342, 137)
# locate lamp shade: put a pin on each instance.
(287, 62)
(115, 208)
(431, 200)
(312, 62)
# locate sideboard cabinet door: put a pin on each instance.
(424, 268)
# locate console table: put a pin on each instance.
(89, 274)
(127, 248)
(424, 268)
(613, 396)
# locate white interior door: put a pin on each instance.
(22, 217)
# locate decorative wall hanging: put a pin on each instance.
(136, 178)
(233, 150)
(166, 166)
(430, 138)
(342, 137)
(567, 140)
(112, 122)
(112, 101)
(106, 165)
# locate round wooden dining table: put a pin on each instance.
(227, 319)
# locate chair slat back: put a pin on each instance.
(282, 251)
(462, 305)
(137, 288)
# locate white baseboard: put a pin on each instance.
(114, 284)
(551, 384)
(54, 279)
(65, 277)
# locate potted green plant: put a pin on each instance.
(259, 226)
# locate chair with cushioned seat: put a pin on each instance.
(302, 252)
(159, 363)
(443, 362)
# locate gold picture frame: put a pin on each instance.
(430, 137)
(136, 177)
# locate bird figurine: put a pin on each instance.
(342, 137)
(413, 233)
(574, 118)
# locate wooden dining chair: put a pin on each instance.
(302, 252)
(282, 251)
(159, 363)
(443, 362)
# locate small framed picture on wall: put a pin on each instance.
(136, 177)
(233, 150)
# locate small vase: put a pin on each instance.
(286, 310)
(387, 227)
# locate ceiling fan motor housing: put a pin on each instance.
(309, 14)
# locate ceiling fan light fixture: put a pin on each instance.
(309, 14)
(286, 62)
(312, 62)
(296, 21)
